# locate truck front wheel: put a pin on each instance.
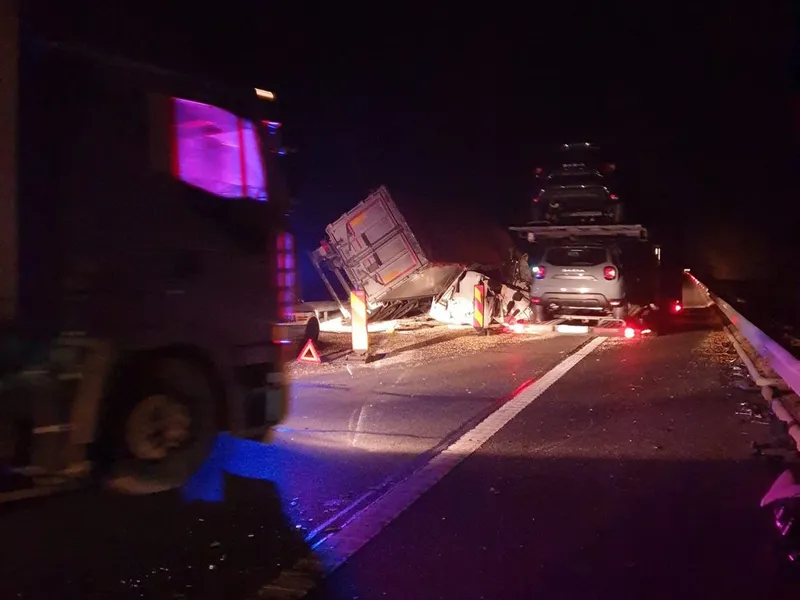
(163, 427)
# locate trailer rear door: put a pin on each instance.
(379, 250)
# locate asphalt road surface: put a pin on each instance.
(630, 477)
(574, 469)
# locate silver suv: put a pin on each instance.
(578, 281)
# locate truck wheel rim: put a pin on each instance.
(158, 425)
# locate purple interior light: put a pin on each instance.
(217, 151)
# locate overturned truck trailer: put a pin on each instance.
(408, 263)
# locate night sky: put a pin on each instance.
(461, 105)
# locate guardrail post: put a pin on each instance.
(358, 324)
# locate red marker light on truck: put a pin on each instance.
(539, 271)
(629, 332)
(610, 273)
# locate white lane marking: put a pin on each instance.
(367, 523)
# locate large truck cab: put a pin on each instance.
(147, 263)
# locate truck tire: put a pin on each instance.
(618, 215)
(619, 312)
(9, 439)
(312, 330)
(163, 428)
(540, 314)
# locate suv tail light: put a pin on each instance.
(539, 271)
(610, 273)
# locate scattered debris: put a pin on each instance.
(746, 385)
(716, 348)
(408, 348)
(754, 412)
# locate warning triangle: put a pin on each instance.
(309, 353)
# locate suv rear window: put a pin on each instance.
(576, 257)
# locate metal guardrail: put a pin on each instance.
(776, 356)
(786, 366)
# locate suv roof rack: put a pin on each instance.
(535, 232)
